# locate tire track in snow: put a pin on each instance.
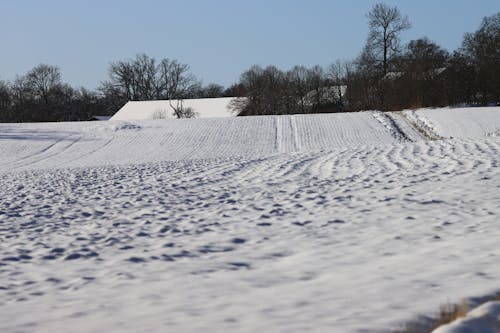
(89, 153)
(278, 141)
(34, 154)
(295, 133)
(39, 156)
(61, 151)
(391, 125)
(421, 124)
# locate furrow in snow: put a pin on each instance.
(293, 124)
(422, 124)
(279, 134)
(388, 121)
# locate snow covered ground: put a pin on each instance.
(29, 146)
(338, 223)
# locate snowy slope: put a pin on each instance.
(27, 146)
(324, 223)
(461, 122)
(147, 110)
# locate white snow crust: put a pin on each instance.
(323, 223)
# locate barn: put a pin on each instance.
(164, 109)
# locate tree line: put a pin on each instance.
(41, 95)
(385, 76)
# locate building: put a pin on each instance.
(164, 109)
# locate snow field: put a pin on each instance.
(108, 143)
(465, 122)
(286, 224)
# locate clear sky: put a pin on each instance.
(219, 39)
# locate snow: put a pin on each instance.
(462, 122)
(27, 146)
(483, 319)
(147, 110)
(332, 222)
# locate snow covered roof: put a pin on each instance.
(397, 75)
(393, 75)
(148, 110)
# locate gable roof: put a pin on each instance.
(161, 109)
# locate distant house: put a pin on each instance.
(393, 75)
(415, 89)
(327, 99)
(327, 95)
(430, 73)
(162, 109)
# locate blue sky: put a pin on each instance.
(219, 39)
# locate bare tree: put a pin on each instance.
(213, 90)
(299, 77)
(338, 74)
(461, 81)
(363, 89)
(175, 79)
(423, 63)
(160, 114)
(317, 81)
(264, 92)
(180, 111)
(273, 91)
(5, 102)
(143, 78)
(42, 79)
(386, 23)
(483, 49)
(146, 78)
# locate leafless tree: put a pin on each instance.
(338, 73)
(461, 79)
(5, 102)
(482, 48)
(262, 87)
(386, 23)
(175, 79)
(180, 111)
(212, 91)
(273, 91)
(41, 80)
(160, 114)
(143, 78)
(299, 76)
(423, 64)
